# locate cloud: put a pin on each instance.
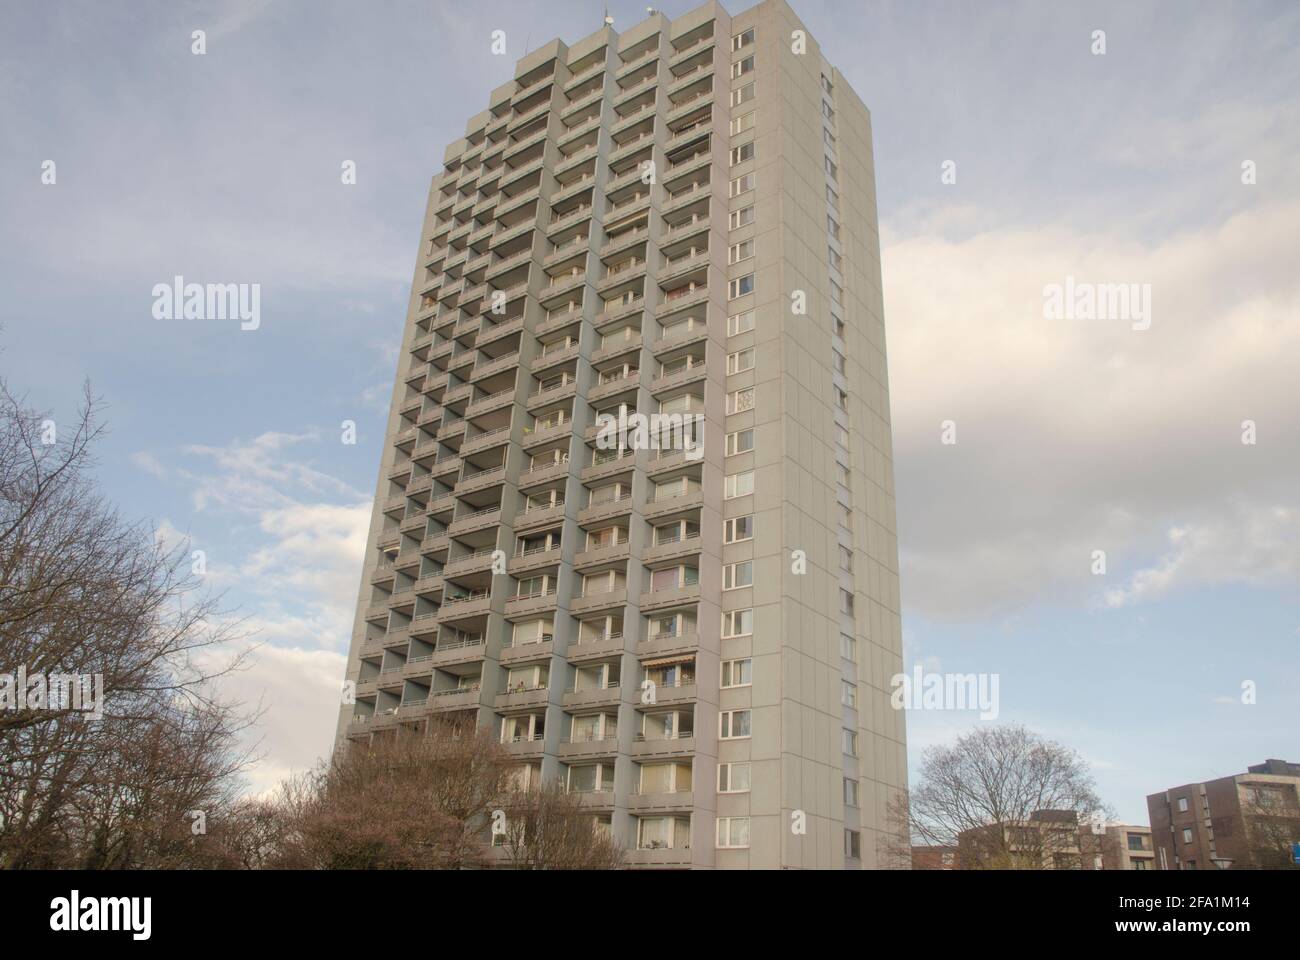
(298, 691)
(149, 464)
(1259, 545)
(256, 475)
(284, 542)
(1075, 436)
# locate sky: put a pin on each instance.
(1072, 436)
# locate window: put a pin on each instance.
(733, 778)
(741, 185)
(741, 218)
(846, 516)
(841, 436)
(1182, 804)
(737, 623)
(832, 197)
(740, 361)
(837, 361)
(853, 844)
(742, 94)
(740, 323)
(839, 327)
(742, 123)
(739, 485)
(736, 575)
(1136, 842)
(836, 260)
(846, 602)
(742, 67)
(733, 833)
(738, 529)
(828, 111)
(740, 251)
(850, 792)
(842, 475)
(828, 138)
(849, 742)
(742, 40)
(665, 778)
(846, 559)
(848, 694)
(826, 85)
(742, 153)
(734, 724)
(592, 777)
(740, 400)
(832, 171)
(742, 441)
(1187, 834)
(841, 399)
(663, 833)
(832, 227)
(740, 287)
(674, 578)
(848, 647)
(837, 293)
(1139, 864)
(737, 673)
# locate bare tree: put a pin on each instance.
(108, 714)
(403, 801)
(1272, 825)
(547, 828)
(1006, 797)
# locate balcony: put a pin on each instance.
(469, 562)
(457, 698)
(533, 558)
(535, 436)
(525, 748)
(477, 520)
(646, 803)
(522, 696)
(589, 747)
(624, 240)
(681, 746)
(593, 648)
(544, 474)
(525, 652)
(532, 603)
(603, 600)
(603, 554)
(672, 549)
(620, 310)
(661, 599)
(535, 517)
(607, 695)
(675, 695)
(606, 509)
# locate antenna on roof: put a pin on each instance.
(609, 21)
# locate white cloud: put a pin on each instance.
(285, 543)
(149, 464)
(1078, 436)
(1253, 546)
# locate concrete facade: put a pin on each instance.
(676, 219)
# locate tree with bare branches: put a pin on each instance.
(1003, 795)
(418, 800)
(111, 731)
(547, 828)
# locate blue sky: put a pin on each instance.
(1072, 436)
